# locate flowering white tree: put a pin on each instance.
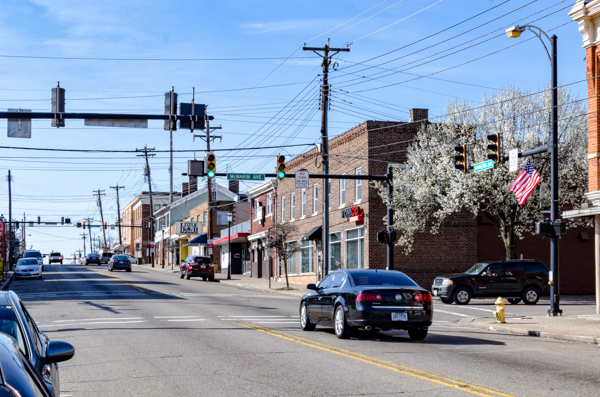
(429, 188)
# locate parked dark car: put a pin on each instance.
(92, 258)
(197, 266)
(17, 375)
(371, 299)
(105, 257)
(55, 257)
(515, 279)
(119, 262)
(41, 352)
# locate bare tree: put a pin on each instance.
(278, 239)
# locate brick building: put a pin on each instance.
(357, 211)
(262, 217)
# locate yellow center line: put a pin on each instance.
(118, 279)
(477, 390)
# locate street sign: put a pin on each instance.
(486, 165)
(188, 228)
(246, 177)
(513, 160)
(302, 179)
(19, 128)
(131, 123)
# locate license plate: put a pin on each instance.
(203, 266)
(399, 316)
(435, 292)
(26, 274)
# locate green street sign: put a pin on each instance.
(246, 177)
(486, 165)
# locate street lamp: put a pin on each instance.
(514, 32)
(229, 219)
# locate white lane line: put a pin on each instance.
(99, 322)
(456, 314)
(252, 316)
(99, 319)
(175, 316)
(274, 322)
(189, 319)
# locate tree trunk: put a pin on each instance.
(287, 282)
(510, 245)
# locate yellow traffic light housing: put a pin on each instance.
(461, 157)
(495, 147)
(211, 166)
(280, 167)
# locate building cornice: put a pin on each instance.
(587, 14)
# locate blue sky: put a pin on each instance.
(246, 63)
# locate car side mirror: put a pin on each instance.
(58, 351)
(311, 286)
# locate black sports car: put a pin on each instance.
(371, 299)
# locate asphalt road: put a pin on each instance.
(149, 333)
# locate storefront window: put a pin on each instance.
(306, 256)
(335, 251)
(292, 262)
(355, 248)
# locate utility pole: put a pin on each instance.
(84, 236)
(118, 210)
(325, 142)
(24, 233)
(99, 193)
(10, 239)
(89, 221)
(150, 230)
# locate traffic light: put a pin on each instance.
(105, 225)
(170, 109)
(78, 224)
(495, 147)
(58, 105)
(280, 167)
(211, 166)
(461, 157)
(62, 220)
(17, 225)
(383, 237)
(84, 225)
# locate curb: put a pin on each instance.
(6, 283)
(156, 269)
(539, 334)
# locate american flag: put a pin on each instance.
(525, 182)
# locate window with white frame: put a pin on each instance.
(335, 251)
(255, 209)
(205, 218)
(303, 205)
(358, 186)
(283, 209)
(315, 199)
(355, 248)
(269, 204)
(306, 256)
(292, 207)
(342, 192)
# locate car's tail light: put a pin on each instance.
(425, 298)
(211, 265)
(369, 297)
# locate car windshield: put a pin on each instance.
(382, 278)
(476, 268)
(10, 326)
(32, 254)
(55, 254)
(27, 262)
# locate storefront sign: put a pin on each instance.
(188, 228)
(356, 214)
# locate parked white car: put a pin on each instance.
(132, 259)
(28, 268)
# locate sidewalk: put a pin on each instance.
(4, 284)
(582, 328)
(246, 282)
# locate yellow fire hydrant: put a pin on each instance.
(499, 313)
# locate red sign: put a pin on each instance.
(356, 214)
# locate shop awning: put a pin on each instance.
(201, 239)
(316, 233)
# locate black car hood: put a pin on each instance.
(456, 275)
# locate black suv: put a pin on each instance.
(515, 279)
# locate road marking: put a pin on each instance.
(98, 322)
(120, 280)
(456, 314)
(189, 319)
(276, 322)
(252, 316)
(176, 317)
(477, 390)
(99, 319)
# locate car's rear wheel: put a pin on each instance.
(187, 276)
(462, 296)
(128, 270)
(514, 301)
(211, 278)
(203, 278)
(342, 330)
(305, 323)
(180, 275)
(531, 296)
(417, 333)
(447, 300)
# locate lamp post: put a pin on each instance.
(229, 219)
(514, 32)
